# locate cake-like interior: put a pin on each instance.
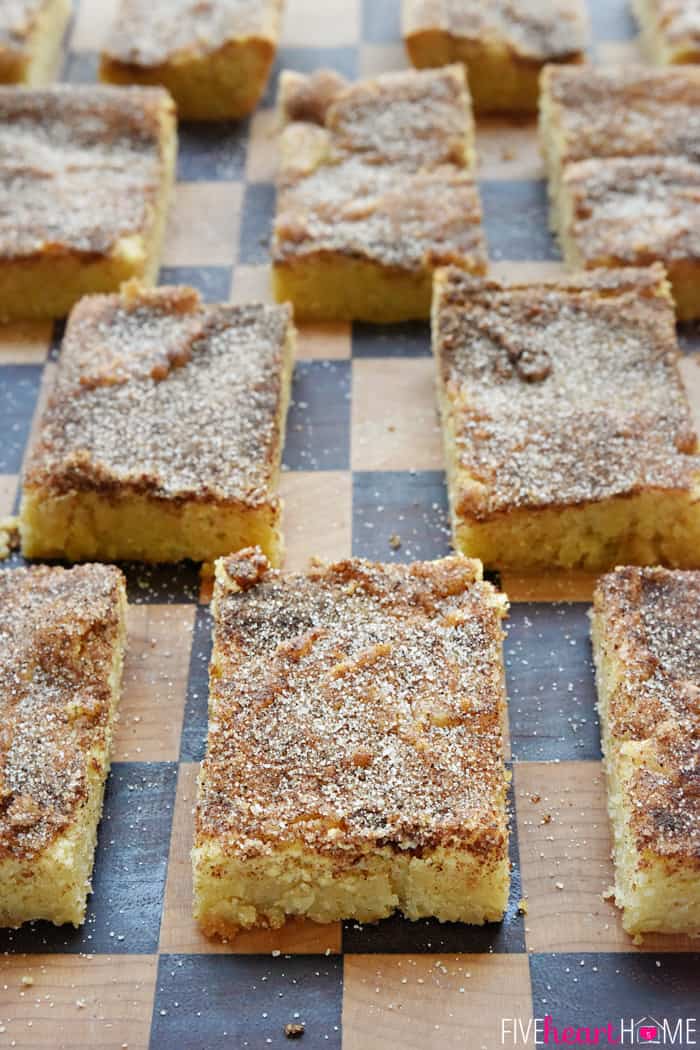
(85, 181)
(646, 642)
(354, 761)
(503, 44)
(376, 189)
(63, 635)
(621, 148)
(670, 29)
(31, 34)
(567, 430)
(163, 436)
(213, 57)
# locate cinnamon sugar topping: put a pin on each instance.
(151, 32)
(160, 394)
(537, 30)
(17, 19)
(624, 111)
(363, 165)
(356, 705)
(563, 393)
(651, 619)
(80, 167)
(58, 631)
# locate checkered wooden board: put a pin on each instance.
(363, 464)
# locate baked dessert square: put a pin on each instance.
(621, 148)
(163, 435)
(670, 29)
(502, 43)
(354, 762)
(618, 111)
(213, 57)
(85, 180)
(31, 37)
(63, 635)
(376, 189)
(646, 642)
(568, 436)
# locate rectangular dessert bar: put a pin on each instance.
(622, 149)
(354, 761)
(31, 35)
(376, 189)
(646, 642)
(85, 180)
(502, 43)
(63, 635)
(670, 29)
(163, 436)
(568, 435)
(213, 57)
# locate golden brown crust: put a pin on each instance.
(160, 394)
(532, 30)
(625, 111)
(649, 620)
(633, 211)
(354, 706)
(532, 380)
(81, 167)
(58, 630)
(150, 33)
(363, 164)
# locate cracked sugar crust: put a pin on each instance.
(152, 32)
(650, 621)
(80, 167)
(354, 706)
(17, 20)
(634, 211)
(58, 630)
(363, 164)
(678, 21)
(160, 394)
(534, 30)
(624, 111)
(562, 393)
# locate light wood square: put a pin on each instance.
(332, 340)
(8, 490)
(382, 58)
(251, 284)
(394, 415)
(60, 1002)
(508, 149)
(333, 23)
(155, 683)
(179, 932)
(263, 147)
(564, 843)
(431, 1002)
(93, 24)
(203, 224)
(317, 516)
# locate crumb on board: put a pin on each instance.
(9, 536)
(294, 1030)
(394, 541)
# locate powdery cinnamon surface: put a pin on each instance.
(364, 164)
(354, 706)
(649, 620)
(535, 30)
(17, 19)
(562, 393)
(80, 167)
(624, 111)
(58, 630)
(678, 21)
(633, 211)
(151, 32)
(160, 394)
